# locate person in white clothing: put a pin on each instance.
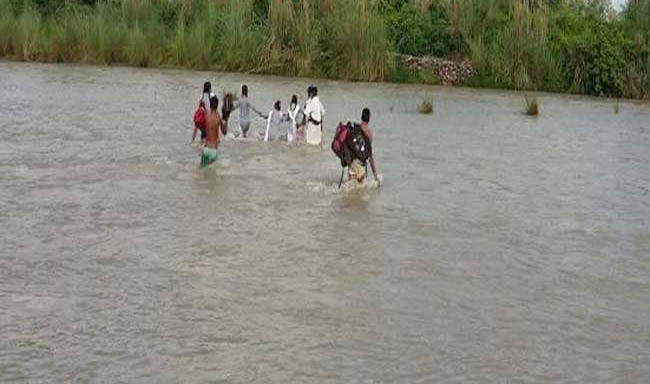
(314, 112)
(205, 96)
(274, 120)
(293, 111)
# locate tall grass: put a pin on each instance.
(192, 43)
(508, 42)
(27, 34)
(294, 31)
(240, 38)
(358, 41)
(7, 28)
(308, 30)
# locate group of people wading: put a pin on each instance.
(352, 142)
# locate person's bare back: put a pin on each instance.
(213, 124)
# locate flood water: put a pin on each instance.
(500, 248)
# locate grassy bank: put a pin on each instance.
(338, 38)
(562, 45)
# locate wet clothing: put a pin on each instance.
(205, 100)
(244, 114)
(314, 112)
(293, 113)
(357, 170)
(245, 127)
(244, 109)
(273, 123)
(208, 156)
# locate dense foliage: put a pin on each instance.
(580, 46)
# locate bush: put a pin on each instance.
(421, 29)
(593, 52)
(636, 18)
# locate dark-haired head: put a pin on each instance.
(277, 105)
(207, 87)
(314, 91)
(294, 100)
(214, 102)
(244, 90)
(365, 115)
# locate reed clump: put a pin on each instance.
(531, 106)
(425, 106)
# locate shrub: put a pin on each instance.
(425, 106)
(418, 30)
(636, 18)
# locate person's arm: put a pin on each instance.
(255, 109)
(219, 134)
(307, 111)
(268, 126)
(373, 166)
(194, 133)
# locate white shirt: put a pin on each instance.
(293, 115)
(205, 99)
(315, 109)
(274, 120)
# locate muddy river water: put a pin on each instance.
(500, 248)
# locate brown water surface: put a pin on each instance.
(501, 248)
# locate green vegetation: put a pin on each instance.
(579, 46)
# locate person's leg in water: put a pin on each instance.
(357, 171)
(208, 156)
(245, 127)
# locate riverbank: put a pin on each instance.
(570, 46)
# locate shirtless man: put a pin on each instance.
(357, 170)
(213, 126)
